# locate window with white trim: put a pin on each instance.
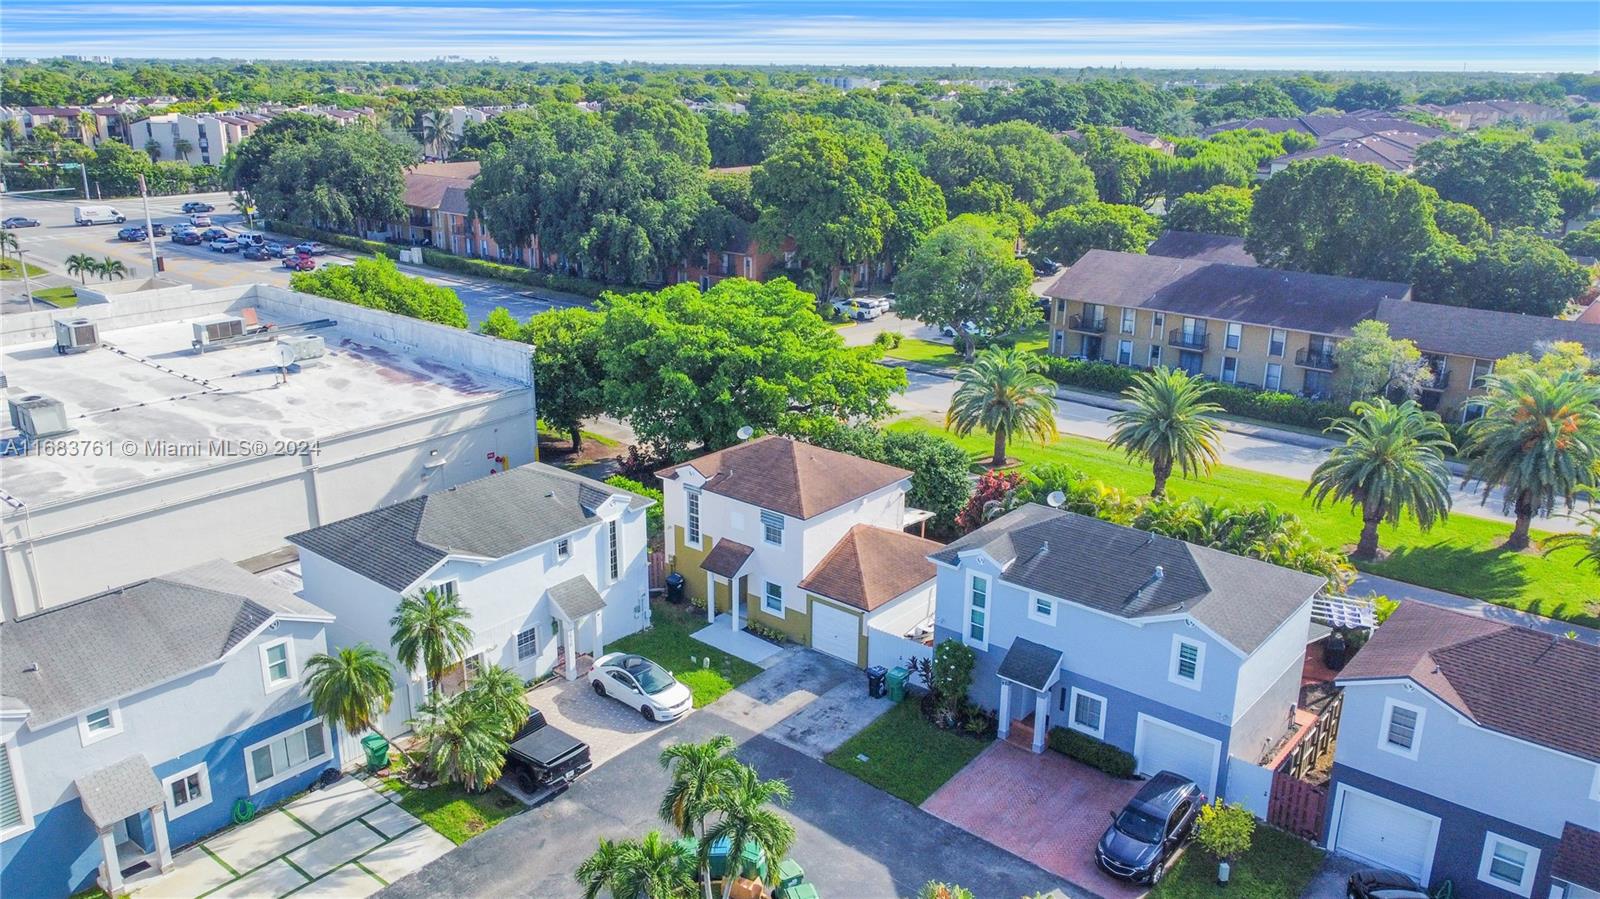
(1188, 662)
(613, 550)
(527, 644)
(1508, 864)
(1158, 324)
(187, 790)
(98, 724)
(15, 816)
(1230, 369)
(1233, 336)
(563, 549)
(1155, 355)
(773, 600)
(692, 497)
(1402, 728)
(292, 752)
(1127, 320)
(1124, 352)
(978, 609)
(1276, 342)
(448, 591)
(277, 664)
(1273, 379)
(1042, 609)
(772, 527)
(1088, 713)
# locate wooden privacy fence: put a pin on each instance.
(1297, 805)
(658, 569)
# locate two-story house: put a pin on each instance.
(548, 564)
(1469, 750)
(134, 721)
(801, 539)
(1181, 655)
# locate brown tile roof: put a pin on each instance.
(468, 169)
(1480, 333)
(870, 566)
(1393, 151)
(1534, 686)
(726, 557)
(788, 476)
(1578, 857)
(1204, 247)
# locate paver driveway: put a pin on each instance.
(1045, 808)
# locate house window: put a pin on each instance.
(187, 790)
(15, 816)
(1402, 729)
(1230, 369)
(773, 602)
(1480, 370)
(612, 550)
(1471, 412)
(1060, 342)
(448, 591)
(1233, 337)
(1158, 324)
(99, 724)
(692, 496)
(277, 664)
(1124, 352)
(272, 761)
(1155, 355)
(977, 609)
(1188, 661)
(1508, 864)
(1042, 609)
(1128, 321)
(1273, 380)
(1088, 713)
(527, 644)
(1276, 343)
(772, 527)
(563, 549)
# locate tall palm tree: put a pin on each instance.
(1588, 543)
(430, 630)
(652, 868)
(436, 130)
(351, 688)
(498, 693)
(8, 243)
(1002, 392)
(1538, 441)
(89, 126)
(83, 265)
(110, 269)
(1169, 425)
(747, 818)
(1391, 463)
(462, 744)
(700, 772)
(246, 207)
(181, 148)
(153, 148)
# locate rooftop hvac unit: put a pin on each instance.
(76, 335)
(304, 346)
(216, 330)
(39, 416)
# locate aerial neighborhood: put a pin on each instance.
(483, 477)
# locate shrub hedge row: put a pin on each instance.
(1092, 752)
(1261, 405)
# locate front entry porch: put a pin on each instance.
(125, 804)
(1031, 669)
(579, 609)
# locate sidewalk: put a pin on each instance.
(1400, 590)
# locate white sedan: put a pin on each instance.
(638, 682)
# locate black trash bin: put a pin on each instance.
(876, 676)
(1336, 651)
(675, 588)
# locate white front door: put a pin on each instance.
(836, 632)
(1163, 746)
(1384, 833)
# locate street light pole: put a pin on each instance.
(149, 229)
(27, 283)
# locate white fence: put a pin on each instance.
(889, 650)
(1249, 785)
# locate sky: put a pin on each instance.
(1281, 34)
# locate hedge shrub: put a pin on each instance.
(1261, 405)
(1092, 752)
(334, 239)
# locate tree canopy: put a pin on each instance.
(377, 284)
(967, 272)
(1221, 210)
(1068, 233)
(345, 180)
(1042, 172)
(1499, 173)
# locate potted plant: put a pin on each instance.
(1225, 831)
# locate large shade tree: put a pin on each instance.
(1002, 392)
(966, 276)
(567, 375)
(1068, 233)
(1169, 425)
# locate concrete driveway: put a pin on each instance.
(1046, 808)
(609, 727)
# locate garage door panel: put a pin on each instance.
(836, 633)
(1384, 833)
(1162, 746)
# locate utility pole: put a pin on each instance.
(84, 170)
(149, 229)
(27, 283)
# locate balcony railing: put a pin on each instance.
(1439, 381)
(1095, 325)
(1188, 340)
(1321, 360)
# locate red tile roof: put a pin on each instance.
(1578, 857)
(788, 476)
(870, 566)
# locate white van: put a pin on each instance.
(251, 239)
(97, 215)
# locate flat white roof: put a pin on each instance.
(146, 405)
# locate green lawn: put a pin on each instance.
(452, 811)
(11, 269)
(1277, 865)
(670, 643)
(929, 352)
(60, 297)
(905, 755)
(1462, 555)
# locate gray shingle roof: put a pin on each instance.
(726, 557)
(491, 517)
(119, 790)
(1204, 247)
(576, 597)
(1480, 333)
(1132, 574)
(84, 654)
(790, 476)
(1030, 664)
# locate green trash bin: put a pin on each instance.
(377, 752)
(897, 683)
(800, 891)
(790, 874)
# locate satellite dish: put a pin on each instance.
(285, 354)
(1055, 499)
(745, 432)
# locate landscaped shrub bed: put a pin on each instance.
(1262, 405)
(1091, 752)
(483, 268)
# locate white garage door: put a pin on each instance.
(836, 633)
(1385, 833)
(1162, 746)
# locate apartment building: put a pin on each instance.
(202, 139)
(438, 215)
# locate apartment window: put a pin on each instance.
(1230, 369)
(1188, 661)
(692, 496)
(98, 724)
(1402, 729)
(277, 664)
(749, 268)
(187, 790)
(527, 644)
(977, 609)
(272, 761)
(1128, 321)
(1158, 324)
(1124, 352)
(1060, 342)
(1480, 369)
(1508, 864)
(1471, 412)
(1061, 306)
(14, 814)
(612, 550)
(727, 263)
(773, 601)
(1273, 380)
(772, 527)
(563, 549)
(1088, 713)
(1155, 355)
(1042, 609)
(1233, 337)
(1276, 343)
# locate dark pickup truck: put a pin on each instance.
(542, 756)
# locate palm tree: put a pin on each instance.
(246, 207)
(1003, 393)
(653, 868)
(109, 268)
(1392, 461)
(1538, 441)
(83, 265)
(436, 130)
(1589, 542)
(351, 688)
(700, 772)
(1168, 425)
(498, 694)
(181, 148)
(8, 244)
(153, 147)
(747, 818)
(88, 126)
(462, 744)
(430, 630)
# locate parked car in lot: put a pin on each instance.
(224, 245)
(210, 234)
(132, 234)
(200, 221)
(256, 253)
(196, 206)
(158, 229)
(275, 249)
(250, 238)
(1150, 829)
(18, 221)
(1044, 266)
(1379, 883)
(188, 237)
(299, 263)
(542, 756)
(636, 681)
(311, 248)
